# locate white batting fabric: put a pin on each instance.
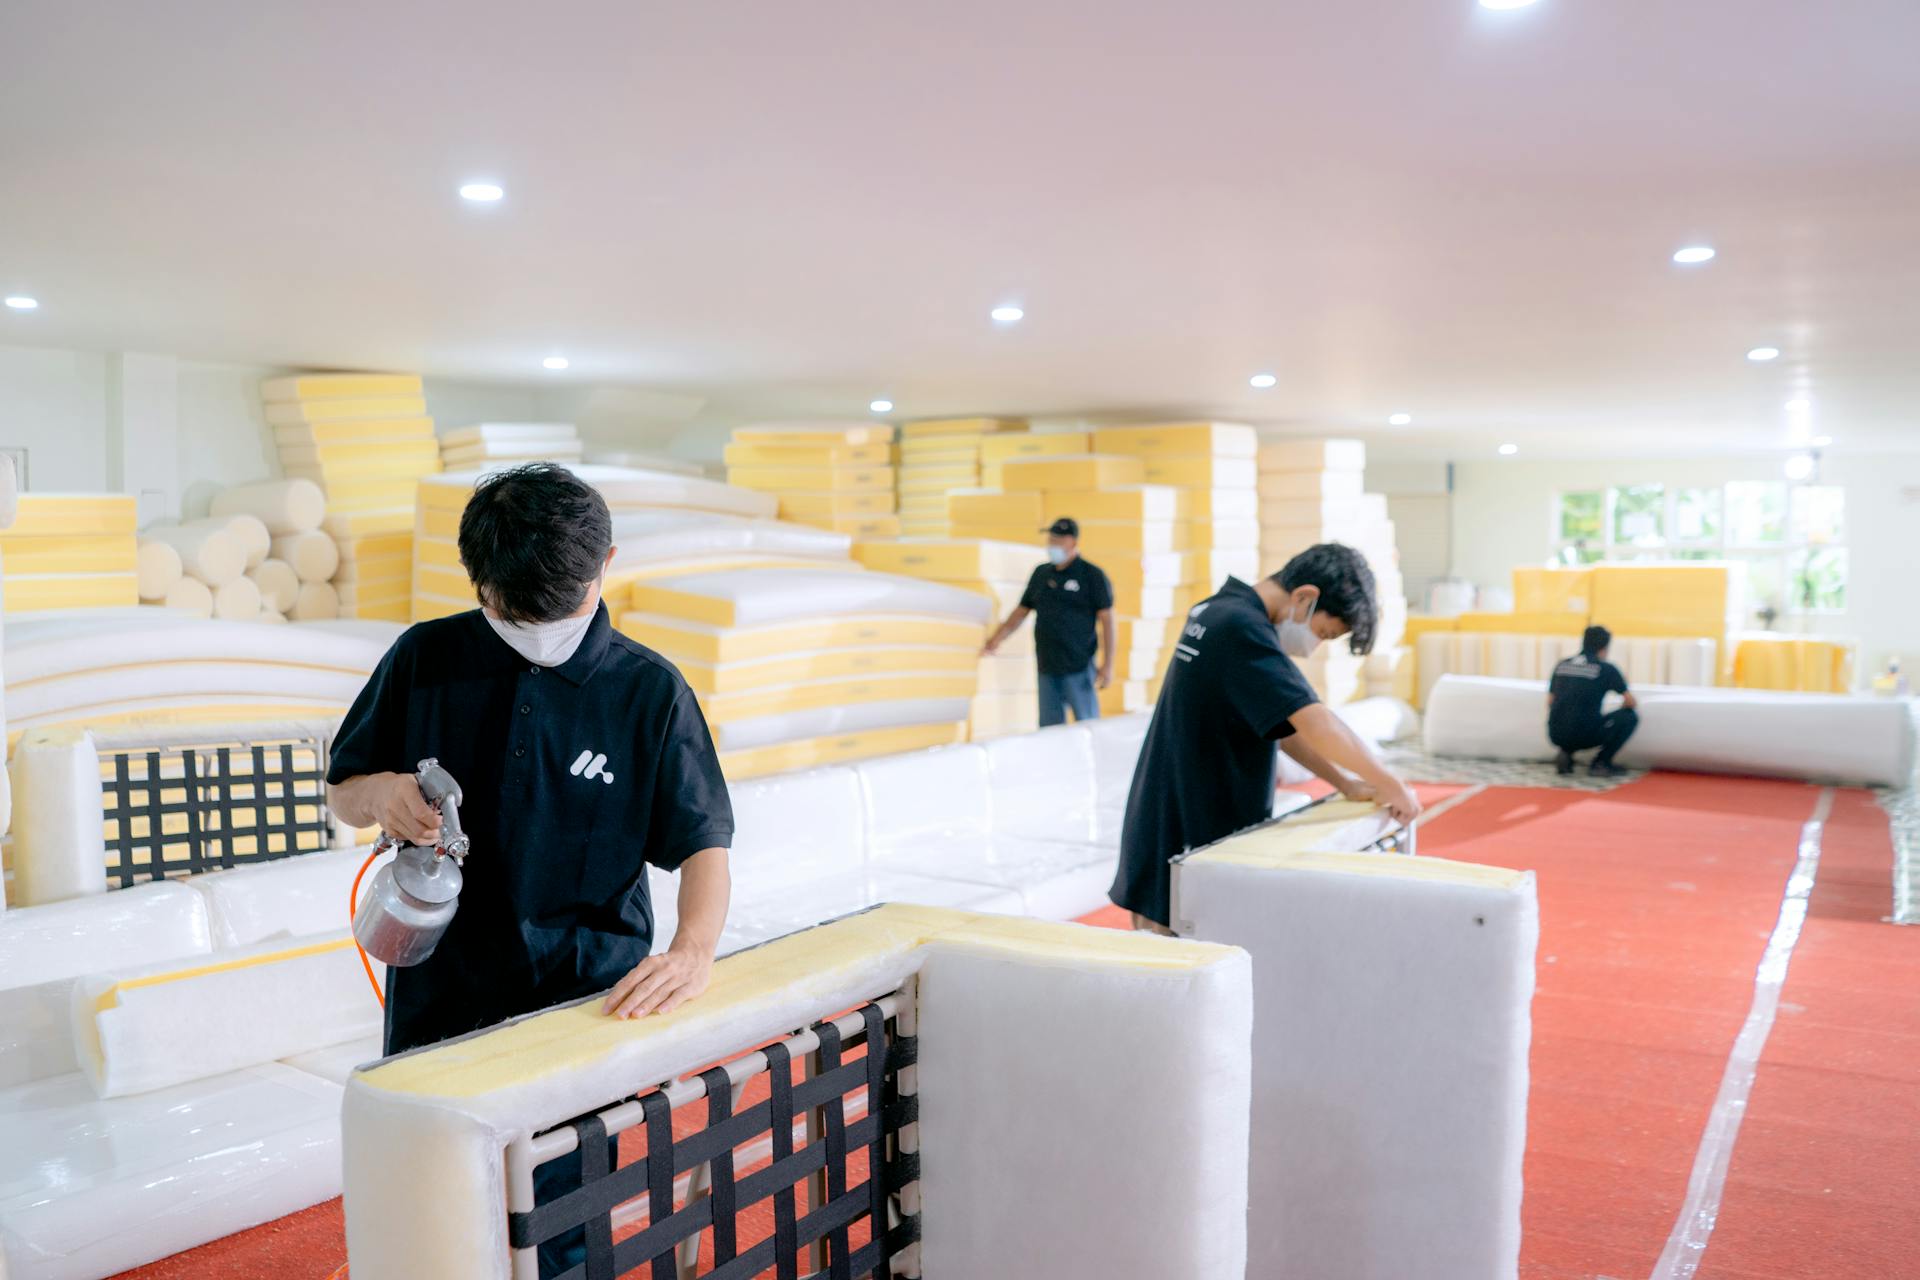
(632, 487)
(59, 845)
(89, 1188)
(287, 898)
(40, 645)
(152, 1026)
(820, 722)
(1390, 1058)
(61, 698)
(1819, 737)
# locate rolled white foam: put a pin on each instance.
(284, 506)
(153, 921)
(317, 601)
(59, 846)
(1434, 653)
(314, 556)
(189, 596)
(157, 567)
(207, 550)
(279, 584)
(1690, 662)
(270, 615)
(251, 534)
(237, 601)
(9, 492)
(157, 1025)
(287, 897)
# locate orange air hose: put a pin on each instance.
(353, 908)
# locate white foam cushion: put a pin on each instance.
(36, 1032)
(306, 894)
(761, 916)
(1379, 720)
(1116, 744)
(640, 537)
(821, 722)
(794, 828)
(1031, 868)
(940, 794)
(337, 1062)
(1043, 784)
(759, 596)
(155, 921)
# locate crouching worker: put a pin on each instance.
(1207, 767)
(1574, 720)
(582, 757)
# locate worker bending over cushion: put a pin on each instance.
(1574, 697)
(1207, 767)
(1069, 598)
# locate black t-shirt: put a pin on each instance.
(574, 777)
(1206, 769)
(1579, 685)
(1064, 602)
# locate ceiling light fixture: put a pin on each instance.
(482, 192)
(21, 302)
(1400, 420)
(881, 406)
(1760, 355)
(1262, 381)
(555, 362)
(1799, 466)
(1693, 255)
(1007, 315)
(1506, 4)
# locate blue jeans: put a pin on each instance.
(1058, 693)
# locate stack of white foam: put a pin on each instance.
(937, 457)
(1006, 700)
(1313, 491)
(802, 667)
(832, 476)
(1685, 662)
(228, 566)
(490, 442)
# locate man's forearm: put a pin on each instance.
(1328, 736)
(706, 885)
(1317, 764)
(352, 800)
(1106, 640)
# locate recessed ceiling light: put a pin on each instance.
(1693, 255)
(881, 406)
(554, 362)
(1797, 406)
(481, 192)
(1799, 466)
(21, 302)
(1007, 315)
(1821, 442)
(1508, 450)
(1399, 419)
(1759, 355)
(1262, 380)
(1506, 4)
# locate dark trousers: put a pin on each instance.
(1609, 733)
(1060, 694)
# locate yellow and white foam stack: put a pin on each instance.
(70, 551)
(831, 476)
(287, 561)
(802, 667)
(512, 442)
(937, 457)
(1007, 696)
(1314, 491)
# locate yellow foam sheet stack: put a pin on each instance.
(836, 476)
(937, 457)
(797, 669)
(1007, 699)
(1671, 601)
(70, 551)
(489, 442)
(1313, 490)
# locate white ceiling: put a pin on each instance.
(1392, 205)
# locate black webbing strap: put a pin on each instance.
(719, 1107)
(786, 1241)
(659, 1117)
(596, 1162)
(836, 1143)
(876, 1023)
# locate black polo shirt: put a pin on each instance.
(1580, 686)
(1206, 769)
(1064, 602)
(555, 903)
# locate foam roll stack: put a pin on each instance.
(937, 457)
(511, 442)
(801, 668)
(828, 475)
(70, 551)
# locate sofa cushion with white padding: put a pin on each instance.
(1390, 1066)
(1380, 720)
(92, 1187)
(794, 827)
(1116, 753)
(305, 894)
(940, 795)
(36, 1032)
(156, 1025)
(1813, 736)
(764, 917)
(154, 921)
(338, 1061)
(1042, 784)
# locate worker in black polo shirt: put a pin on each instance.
(1072, 604)
(1207, 767)
(1575, 696)
(582, 757)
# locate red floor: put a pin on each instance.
(1656, 900)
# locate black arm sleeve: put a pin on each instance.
(373, 737)
(1274, 690)
(690, 810)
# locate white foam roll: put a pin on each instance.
(284, 506)
(59, 846)
(157, 567)
(1552, 650)
(1434, 654)
(237, 601)
(317, 601)
(1468, 655)
(252, 536)
(9, 492)
(207, 550)
(279, 584)
(1690, 662)
(189, 596)
(270, 615)
(1511, 657)
(314, 556)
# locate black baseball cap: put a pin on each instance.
(1064, 527)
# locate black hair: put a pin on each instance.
(533, 539)
(1346, 588)
(1594, 640)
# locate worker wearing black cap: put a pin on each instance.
(1070, 599)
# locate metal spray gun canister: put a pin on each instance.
(412, 899)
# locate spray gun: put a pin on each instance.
(413, 898)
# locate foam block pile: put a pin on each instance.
(272, 530)
(69, 551)
(831, 476)
(802, 667)
(1313, 491)
(1005, 700)
(1485, 651)
(509, 442)
(936, 457)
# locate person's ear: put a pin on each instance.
(608, 562)
(1304, 596)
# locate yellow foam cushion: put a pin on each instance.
(807, 753)
(938, 479)
(452, 583)
(431, 522)
(70, 553)
(863, 526)
(1108, 537)
(1018, 509)
(1690, 596)
(354, 431)
(1052, 444)
(948, 560)
(838, 691)
(678, 638)
(369, 545)
(812, 479)
(709, 678)
(361, 471)
(446, 496)
(43, 515)
(19, 594)
(293, 412)
(813, 455)
(1201, 473)
(1541, 590)
(441, 552)
(1173, 439)
(814, 436)
(997, 532)
(1520, 624)
(1086, 471)
(960, 427)
(359, 453)
(376, 520)
(1289, 843)
(340, 386)
(800, 506)
(926, 505)
(348, 495)
(1418, 624)
(1135, 502)
(395, 611)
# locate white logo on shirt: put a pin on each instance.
(1073, 584)
(591, 765)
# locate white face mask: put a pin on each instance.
(544, 644)
(1056, 556)
(1297, 639)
